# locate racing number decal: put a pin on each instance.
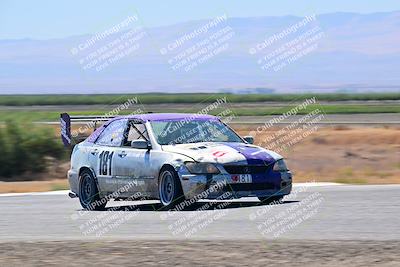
(105, 162)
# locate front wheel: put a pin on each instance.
(89, 193)
(169, 188)
(268, 200)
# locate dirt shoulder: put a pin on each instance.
(33, 186)
(201, 253)
(341, 154)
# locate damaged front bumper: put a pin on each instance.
(212, 186)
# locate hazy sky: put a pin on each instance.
(41, 19)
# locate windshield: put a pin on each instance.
(183, 132)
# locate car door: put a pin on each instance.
(132, 165)
(102, 154)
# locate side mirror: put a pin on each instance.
(249, 139)
(141, 144)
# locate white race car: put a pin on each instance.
(173, 158)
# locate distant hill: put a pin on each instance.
(356, 53)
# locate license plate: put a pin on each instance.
(242, 178)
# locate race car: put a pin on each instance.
(172, 158)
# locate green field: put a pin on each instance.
(156, 98)
(242, 105)
(29, 116)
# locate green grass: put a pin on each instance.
(327, 109)
(57, 187)
(397, 165)
(156, 98)
(350, 180)
(347, 176)
(29, 116)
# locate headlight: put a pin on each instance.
(201, 168)
(280, 166)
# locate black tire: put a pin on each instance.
(89, 193)
(169, 188)
(268, 200)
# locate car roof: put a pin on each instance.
(153, 117)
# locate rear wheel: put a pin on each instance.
(169, 188)
(268, 200)
(89, 193)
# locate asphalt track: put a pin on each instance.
(318, 212)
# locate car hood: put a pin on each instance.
(224, 153)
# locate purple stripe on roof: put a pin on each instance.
(171, 116)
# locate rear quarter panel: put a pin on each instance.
(79, 159)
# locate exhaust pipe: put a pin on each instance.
(72, 195)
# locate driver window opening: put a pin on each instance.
(136, 131)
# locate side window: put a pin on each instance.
(137, 131)
(113, 134)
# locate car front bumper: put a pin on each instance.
(222, 186)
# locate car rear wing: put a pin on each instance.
(89, 121)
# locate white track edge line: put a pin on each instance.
(65, 192)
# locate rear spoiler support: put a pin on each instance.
(89, 121)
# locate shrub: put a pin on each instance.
(24, 149)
